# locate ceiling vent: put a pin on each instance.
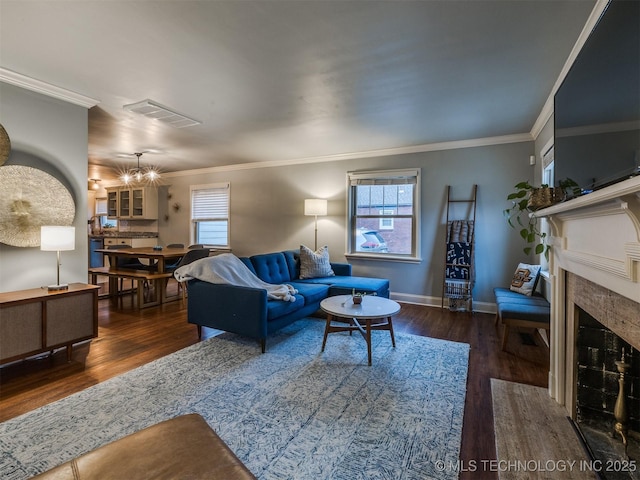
(154, 110)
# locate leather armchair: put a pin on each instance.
(183, 447)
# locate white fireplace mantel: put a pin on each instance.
(596, 237)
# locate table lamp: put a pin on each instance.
(315, 207)
(57, 238)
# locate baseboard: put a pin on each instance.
(480, 307)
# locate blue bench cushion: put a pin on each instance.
(520, 311)
(506, 295)
(506, 292)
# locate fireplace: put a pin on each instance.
(607, 403)
(599, 354)
(594, 283)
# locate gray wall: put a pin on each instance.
(267, 213)
(49, 135)
(267, 203)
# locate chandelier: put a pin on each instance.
(138, 176)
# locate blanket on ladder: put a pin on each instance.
(229, 269)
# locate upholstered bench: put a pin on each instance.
(183, 447)
(517, 310)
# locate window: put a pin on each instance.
(384, 213)
(210, 214)
(386, 221)
(548, 167)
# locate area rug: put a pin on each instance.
(291, 413)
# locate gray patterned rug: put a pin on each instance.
(292, 413)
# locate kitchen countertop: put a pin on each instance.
(117, 234)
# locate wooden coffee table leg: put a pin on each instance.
(393, 338)
(326, 331)
(368, 338)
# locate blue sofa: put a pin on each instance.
(248, 311)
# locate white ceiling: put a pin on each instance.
(286, 80)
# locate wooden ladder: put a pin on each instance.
(465, 293)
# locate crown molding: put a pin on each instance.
(429, 147)
(28, 83)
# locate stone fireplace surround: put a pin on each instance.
(594, 264)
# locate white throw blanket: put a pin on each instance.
(229, 269)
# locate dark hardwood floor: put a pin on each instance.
(129, 338)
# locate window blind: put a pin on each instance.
(210, 202)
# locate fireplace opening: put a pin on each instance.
(608, 414)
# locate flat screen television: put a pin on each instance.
(597, 107)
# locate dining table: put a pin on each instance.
(157, 256)
(158, 259)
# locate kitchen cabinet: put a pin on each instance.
(35, 321)
(130, 203)
(112, 203)
(131, 242)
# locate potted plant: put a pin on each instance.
(525, 200)
(357, 297)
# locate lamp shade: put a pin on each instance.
(57, 238)
(315, 206)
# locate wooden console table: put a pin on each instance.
(35, 321)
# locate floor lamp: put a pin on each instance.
(316, 207)
(57, 239)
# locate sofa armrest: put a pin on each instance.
(231, 308)
(341, 269)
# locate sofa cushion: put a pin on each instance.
(278, 308)
(271, 268)
(315, 264)
(346, 285)
(525, 278)
(312, 292)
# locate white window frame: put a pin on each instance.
(548, 177)
(218, 213)
(380, 177)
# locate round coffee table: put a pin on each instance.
(342, 309)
